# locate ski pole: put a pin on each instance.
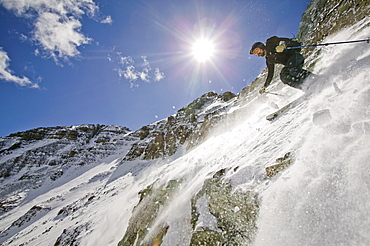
(273, 93)
(326, 44)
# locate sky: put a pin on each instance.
(128, 63)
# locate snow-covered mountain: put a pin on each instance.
(216, 172)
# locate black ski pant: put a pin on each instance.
(293, 74)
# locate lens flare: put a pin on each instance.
(203, 50)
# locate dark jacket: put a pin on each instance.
(273, 57)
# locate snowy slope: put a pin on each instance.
(322, 198)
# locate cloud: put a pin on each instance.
(59, 37)
(158, 75)
(6, 73)
(62, 7)
(57, 26)
(107, 20)
(129, 71)
(144, 74)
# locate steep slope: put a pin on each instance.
(214, 173)
(225, 194)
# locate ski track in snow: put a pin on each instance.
(321, 199)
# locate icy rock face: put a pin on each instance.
(189, 125)
(235, 214)
(58, 146)
(32, 157)
(141, 229)
(325, 17)
(26, 218)
(69, 236)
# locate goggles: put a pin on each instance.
(257, 51)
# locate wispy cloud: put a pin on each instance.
(158, 75)
(57, 26)
(133, 73)
(6, 73)
(107, 20)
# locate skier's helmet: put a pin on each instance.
(257, 45)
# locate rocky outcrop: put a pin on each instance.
(325, 17)
(190, 126)
(281, 164)
(234, 214)
(32, 215)
(70, 236)
(143, 229)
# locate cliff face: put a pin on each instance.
(189, 126)
(325, 17)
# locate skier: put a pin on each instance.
(274, 51)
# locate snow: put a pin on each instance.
(206, 219)
(321, 199)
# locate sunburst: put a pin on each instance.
(203, 49)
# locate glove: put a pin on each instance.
(263, 89)
(280, 48)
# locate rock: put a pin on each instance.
(236, 213)
(282, 164)
(141, 229)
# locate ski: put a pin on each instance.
(277, 113)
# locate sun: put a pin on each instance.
(203, 49)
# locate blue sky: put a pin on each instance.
(126, 62)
